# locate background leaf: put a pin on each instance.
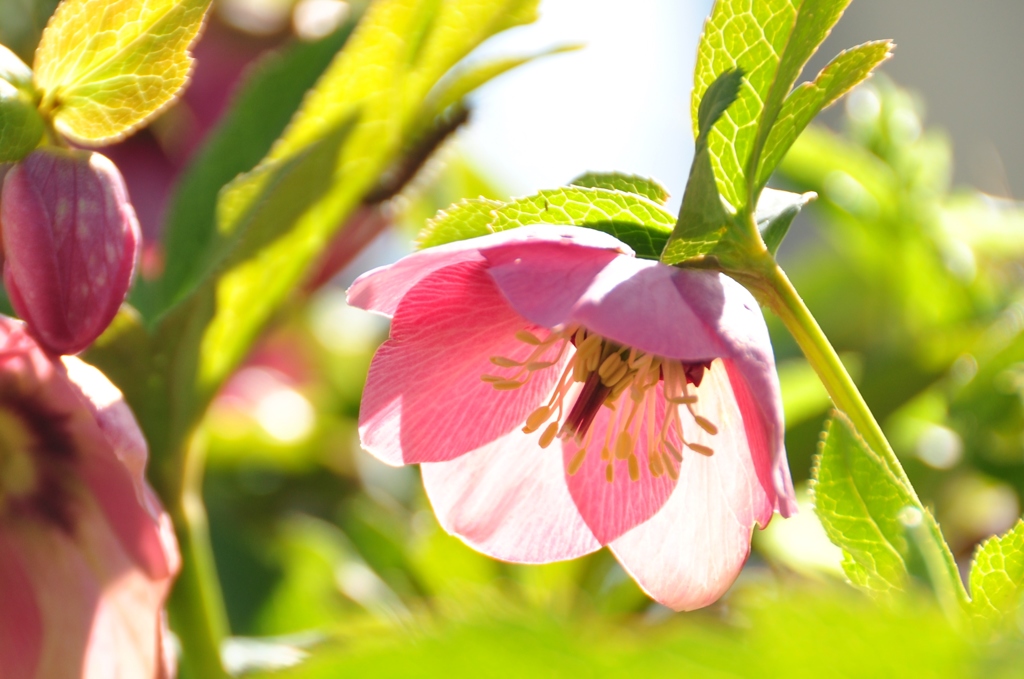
(105, 67)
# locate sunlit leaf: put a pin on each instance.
(629, 183)
(633, 219)
(841, 75)
(104, 67)
(997, 581)
(859, 503)
(770, 40)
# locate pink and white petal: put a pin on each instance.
(544, 279)
(632, 301)
(611, 509)
(762, 419)
(689, 553)
(21, 626)
(424, 399)
(101, 613)
(509, 500)
(381, 289)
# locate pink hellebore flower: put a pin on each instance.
(562, 395)
(70, 242)
(86, 553)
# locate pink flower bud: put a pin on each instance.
(70, 242)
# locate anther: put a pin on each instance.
(673, 471)
(528, 337)
(536, 419)
(674, 452)
(682, 400)
(539, 365)
(654, 464)
(549, 435)
(698, 448)
(609, 473)
(705, 424)
(503, 362)
(507, 385)
(577, 461)
(634, 467)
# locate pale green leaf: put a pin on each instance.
(859, 502)
(770, 40)
(629, 183)
(997, 581)
(841, 75)
(635, 220)
(776, 211)
(105, 67)
(454, 89)
(466, 219)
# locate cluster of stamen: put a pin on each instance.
(600, 373)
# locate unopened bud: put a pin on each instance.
(70, 242)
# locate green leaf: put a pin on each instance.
(997, 581)
(258, 115)
(635, 220)
(841, 75)
(703, 220)
(105, 67)
(775, 212)
(628, 183)
(859, 502)
(770, 40)
(453, 89)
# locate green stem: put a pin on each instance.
(778, 293)
(196, 606)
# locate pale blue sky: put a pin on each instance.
(621, 103)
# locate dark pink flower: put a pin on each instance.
(70, 241)
(562, 395)
(87, 555)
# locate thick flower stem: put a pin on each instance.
(782, 298)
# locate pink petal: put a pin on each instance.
(689, 553)
(21, 628)
(115, 470)
(424, 400)
(381, 289)
(611, 509)
(509, 500)
(100, 613)
(632, 301)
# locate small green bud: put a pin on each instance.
(21, 126)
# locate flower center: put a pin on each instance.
(36, 465)
(18, 474)
(626, 381)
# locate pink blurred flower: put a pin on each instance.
(87, 555)
(70, 242)
(562, 395)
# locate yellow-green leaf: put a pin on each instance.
(105, 67)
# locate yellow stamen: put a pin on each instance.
(705, 424)
(549, 435)
(623, 446)
(698, 448)
(634, 467)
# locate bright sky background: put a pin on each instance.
(622, 103)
